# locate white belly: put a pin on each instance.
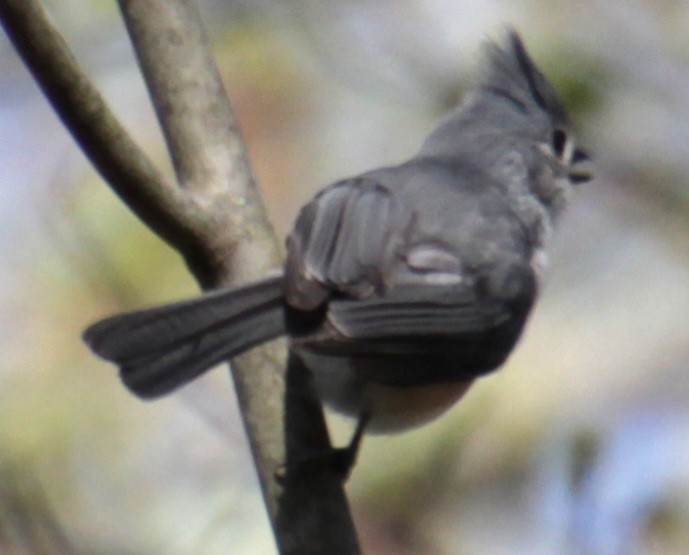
(392, 409)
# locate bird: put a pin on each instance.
(402, 285)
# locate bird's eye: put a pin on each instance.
(559, 142)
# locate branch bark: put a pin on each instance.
(214, 218)
(203, 139)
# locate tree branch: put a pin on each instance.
(202, 137)
(189, 97)
(84, 112)
(216, 220)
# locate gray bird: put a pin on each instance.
(403, 284)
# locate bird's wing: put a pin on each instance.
(343, 243)
(356, 253)
(402, 313)
(412, 315)
(430, 333)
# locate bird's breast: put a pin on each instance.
(342, 386)
(396, 409)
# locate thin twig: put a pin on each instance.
(85, 114)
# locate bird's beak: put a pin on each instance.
(581, 168)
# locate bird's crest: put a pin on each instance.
(512, 74)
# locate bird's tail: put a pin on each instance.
(163, 348)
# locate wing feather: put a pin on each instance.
(389, 317)
(342, 243)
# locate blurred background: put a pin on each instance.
(578, 446)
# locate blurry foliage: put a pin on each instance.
(667, 528)
(582, 84)
(584, 451)
(28, 524)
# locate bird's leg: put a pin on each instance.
(339, 460)
(344, 458)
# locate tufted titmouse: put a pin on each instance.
(401, 285)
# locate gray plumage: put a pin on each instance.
(404, 277)
(161, 348)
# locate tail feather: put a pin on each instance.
(163, 348)
(159, 373)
